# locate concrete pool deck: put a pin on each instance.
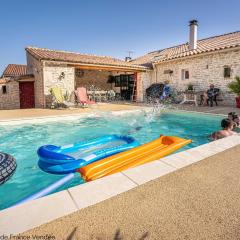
(83, 197)
(38, 112)
(200, 201)
(213, 110)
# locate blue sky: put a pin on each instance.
(108, 27)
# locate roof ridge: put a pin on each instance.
(16, 64)
(220, 35)
(64, 51)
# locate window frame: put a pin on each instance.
(227, 69)
(183, 74)
(124, 80)
(4, 89)
(117, 81)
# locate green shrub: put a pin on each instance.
(234, 86)
(190, 87)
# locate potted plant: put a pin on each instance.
(235, 88)
(190, 87)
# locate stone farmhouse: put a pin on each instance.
(213, 60)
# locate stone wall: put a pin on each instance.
(10, 100)
(48, 74)
(143, 84)
(60, 75)
(35, 67)
(203, 71)
(99, 79)
(94, 77)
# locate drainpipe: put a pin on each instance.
(155, 70)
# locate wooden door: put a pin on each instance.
(26, 90)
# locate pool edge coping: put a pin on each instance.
(115, 184)
(198, 112)
(53, 118)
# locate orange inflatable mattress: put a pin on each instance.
(148, 152)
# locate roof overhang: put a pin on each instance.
(106, 68)
(89, 66)
(4, 80)
(27, 77)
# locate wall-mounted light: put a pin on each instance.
(36, 70)
(61, 76)
(168, 71)
(79, 72)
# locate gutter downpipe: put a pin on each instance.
(155, 69)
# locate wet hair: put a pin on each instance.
(236, 120)
(232, 114)
(138, 128)
(226, 123)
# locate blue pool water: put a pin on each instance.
(22, 141)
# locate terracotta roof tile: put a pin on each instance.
(220, 42)
(15, 70)
(3, 80)
(55, 55)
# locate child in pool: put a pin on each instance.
(231, 114)
(227, 130)
(236, 121)
(134, 130)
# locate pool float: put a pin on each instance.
(153, 150)
(66, 159)
(8, 166)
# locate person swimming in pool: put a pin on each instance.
(236, 121)
(227, 130)
(136, 129)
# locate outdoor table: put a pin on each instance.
(98, 95)
(190, 96)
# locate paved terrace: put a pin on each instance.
(37, 112)
(29, 113)
(200, 201)
(214, 110)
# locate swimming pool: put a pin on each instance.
(22, 141)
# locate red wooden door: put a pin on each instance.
(26, 90)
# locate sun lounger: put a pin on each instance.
(82, 96)
(59, 100)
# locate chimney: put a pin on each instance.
(128, 59)
(193, 24)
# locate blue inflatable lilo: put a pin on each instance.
(68, 158)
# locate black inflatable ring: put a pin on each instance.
(8, 166)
